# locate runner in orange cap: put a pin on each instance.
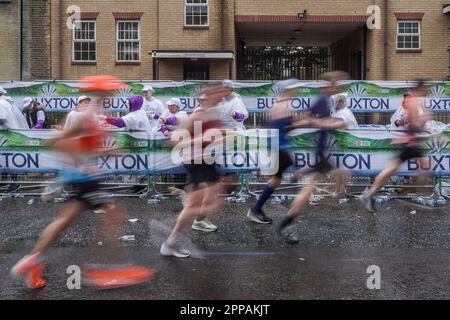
(83, 142)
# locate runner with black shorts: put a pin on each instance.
(409, 143)
(204, 180)
(82, 142)
(280, 119)
(318, 117)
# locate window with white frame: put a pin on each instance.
(408, 35)
(196, 13)
(128, 41)
(84, 41)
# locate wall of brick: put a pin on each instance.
(9, 39)
(36, 40)
(162, 28)
(292, 7)
(433, 60)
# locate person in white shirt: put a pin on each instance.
(82, 103)
(342, 112)
(173, 117)
(10, 116)
(135, 120)
(399, 119)
(233, 108)
(153, 107)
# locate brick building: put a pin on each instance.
(216, 39)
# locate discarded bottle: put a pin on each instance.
(440, 201)
(276, 200)
(382, 199)
(420, 200)
(59, 200)
(153, 201)
(30, 202)
(127, 238)
(342, 201)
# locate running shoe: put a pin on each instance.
(203, 225)
(368, 202)
(30, 268)
(290, 235)
(258, 216)
(285, 230)
(171, 251)
(110, 278)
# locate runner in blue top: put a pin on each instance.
(319, 117)
(280, 118)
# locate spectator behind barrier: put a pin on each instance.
(10, 116)
(34, 113)
(341, 111)
(136, 119)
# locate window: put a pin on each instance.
(128, 45)
(84, 41)
(408, 35)
(196, 13)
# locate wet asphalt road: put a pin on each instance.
(244, 260)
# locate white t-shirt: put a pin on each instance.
(180, 115)
(12, 116)
(347, 115)
(151, 108)
(137, 120)
(227, 107)
(71, 119)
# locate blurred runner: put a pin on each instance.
(280, 118)
(409, 143)
(319, 117)
(83, 141)
(204, 182)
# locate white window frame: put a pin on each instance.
(419, 22)
(84, 40)
(186, 4)
(128, 40)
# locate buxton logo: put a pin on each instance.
(439, 100)
(48, 91)
(3, 141)
(358, 99)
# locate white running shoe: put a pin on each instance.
(170, 251)
(203, 225)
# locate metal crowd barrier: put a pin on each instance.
(247, 185)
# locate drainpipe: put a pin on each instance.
(222, 7)
(364, 70)
(21, 42)
(385, 43)
(61, 42)
(448, 76)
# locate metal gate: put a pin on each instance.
(277, 63)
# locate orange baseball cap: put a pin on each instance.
(101, 83)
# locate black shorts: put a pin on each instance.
(90, 194)
(202, 173)
(410, 152)
(322, 166)
(284, 162)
